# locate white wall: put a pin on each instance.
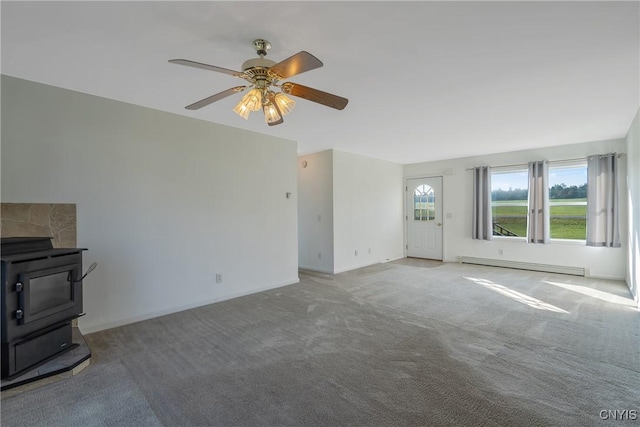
(367, 211)
(164, 202)
(633, 197)
(315, 211)
(457, 183)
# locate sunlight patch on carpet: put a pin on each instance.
(516, 296)
(595, 293)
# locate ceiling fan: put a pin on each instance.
(264, 76)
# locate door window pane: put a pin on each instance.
(424, 203)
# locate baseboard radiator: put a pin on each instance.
(547, 268)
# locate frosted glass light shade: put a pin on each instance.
(242, 110)
(253, 100)
(285, 104)
(271, 113)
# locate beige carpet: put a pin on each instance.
(388, 345)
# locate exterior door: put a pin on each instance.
(424, 217)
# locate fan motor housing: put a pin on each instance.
(257, 63)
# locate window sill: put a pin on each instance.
(552, 241)
(510, 239)
(569, 242)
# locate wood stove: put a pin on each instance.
(41, 295)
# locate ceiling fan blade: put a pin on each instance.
(315, 95)
(207, 67)
(296, 64)
(214, 98)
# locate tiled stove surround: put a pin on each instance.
(57, 220)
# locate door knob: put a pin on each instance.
(439, 224)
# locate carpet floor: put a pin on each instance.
(392, 344)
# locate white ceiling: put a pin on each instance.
(425, 80)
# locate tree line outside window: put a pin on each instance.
(557, 191)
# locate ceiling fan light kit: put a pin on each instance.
(252, 101)
(264, 77)
(271, 114)
(284, 103)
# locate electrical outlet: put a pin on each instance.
(500, 252)
(218, 277)
(356, 251)
(319, 255)
(369, 250)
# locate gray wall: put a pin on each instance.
(315, 211)
(164, 202)
(367, 211)
(350, 211)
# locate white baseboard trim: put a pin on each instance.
(520, 265)
(603, 276)
(317, 270)
(393, 259)
(355, 267)
(134, 319)
(320, 270)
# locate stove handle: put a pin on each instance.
(89, 270)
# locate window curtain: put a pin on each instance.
(602, 201)
(482, 226)
(538, 221)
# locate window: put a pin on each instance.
(424, 203)
(509, 200)
(568, 201)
